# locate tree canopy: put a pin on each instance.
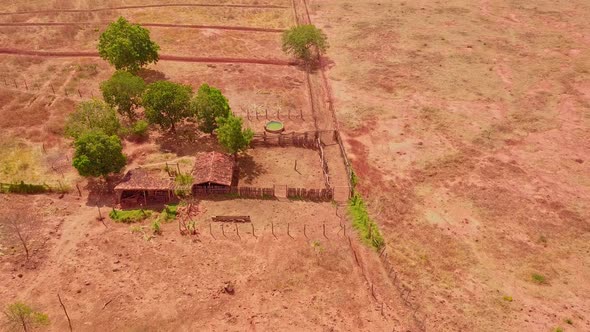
(209, 104)
(123, 91)
(92, 115)
(127, 46)
(300, 40)
(167, 103)
(231, 136)
(98, 154)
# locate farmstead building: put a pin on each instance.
(213, 172)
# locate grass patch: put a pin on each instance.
(361, 221)
(558, 329)
(569, 321)
(538, 278)
(169, 213)
(507, 298)
(129, 216)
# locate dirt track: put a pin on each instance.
(141, 7)
(160, 25)
(12, 51)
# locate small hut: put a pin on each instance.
(213, 173)
(141, 186)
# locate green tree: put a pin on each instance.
(98, 154)
(209, 104)
(231, 135)
(21, 316)
(167, 103)
(92, 115)
(127, 46)
(300, 40)
(123, 91)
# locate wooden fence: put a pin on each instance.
(310, 194)
(308, 139)
(245, 192)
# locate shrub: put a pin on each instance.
(231, 136)
(540, 279)
(156, 227)
(361, 221)
(183, 185)
(21, 316)
(26, 188)
(169, 213)
(129, 216)
(300, 40)
(507, 298)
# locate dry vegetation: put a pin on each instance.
(468, 124)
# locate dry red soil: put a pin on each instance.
(467, 123)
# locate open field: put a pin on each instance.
(303, 268)
(289, 282)
(468, 123)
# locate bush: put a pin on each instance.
(98, 154)
(184, 185)
(361, 221)
(140, 129)
(156, 227)
(26, 188)
(169, 213)
(129, 216)
(540, 279)
(300, 40)
(21, 316)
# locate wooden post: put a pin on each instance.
(289, 113)
(248, 113)
(304, 232)
(66, 90)
(253, 230)
(145, 197)
(272, 229)
(222, 230)
(178, 168)
(266, 112)
(99, 214)
(80, 93)
(79, 192)
(278, 114)
(238, 231)
(324, 230)
(301, 113)
(52, 89)
(256, 110)
(26, 85)
(16, 86)
(288, 231)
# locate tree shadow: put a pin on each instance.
(319, 63)
(151, 76)
(101, 193)
(249, 168)
(187, 141)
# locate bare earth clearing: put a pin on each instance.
(468, 123)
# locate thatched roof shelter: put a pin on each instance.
(143, 179)
(213, 168)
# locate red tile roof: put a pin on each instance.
(214, 167)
